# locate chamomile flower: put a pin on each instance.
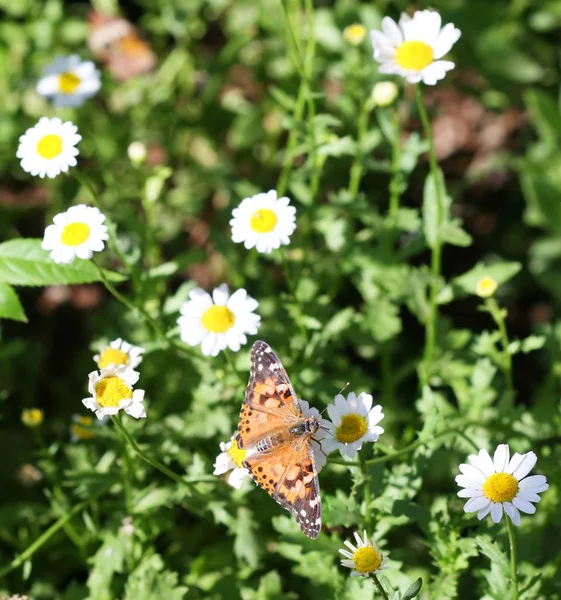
(230, 459)
(112, 391)
(219, 321)
(500, 484)
(263, 221)
(353, 421)
(78, 232)
(365, 559)
(69, 80)
(413, 48)
(119, 352)
(48, 148)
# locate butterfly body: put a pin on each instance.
(277, 438)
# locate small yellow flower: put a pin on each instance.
(354, 34)
(486, 287)
(32, 417)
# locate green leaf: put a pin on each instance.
(436, 205)
(149, 580)
(545, 114)
(382, 319)
(10, 306)
(24, 262)
(413, 590)
(501, 272)
(150, 499)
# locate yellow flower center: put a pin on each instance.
(351, 429)
(414, 55)
(263, 220)
(237, 455)
(68, 82)
(218, 319)
(112, 355)
(75, 234)
(81, 428)
(49, 146)
(500, 487)
(486, 287)
(32, 417)
(354, 34)
(111, 390)
(367, 560)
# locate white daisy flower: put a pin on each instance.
(112, 391)
(413, 48)
(78, 232)
(48, 148)
(68, 81)
(320, 454)
(264, 222)
(500, 484)
(365, 559)
(119, 352)
(230, 459)
(219, 321)
(353, 421)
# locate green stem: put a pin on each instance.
(408, 449)
(379, 586)
(292, 288)
(357, 167)
(513, 566)
(436, 257)
(395, 183)
(366, 489)
(499, 317)
(48, 534)
(127, 471)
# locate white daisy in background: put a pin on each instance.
(365, 559)
(219, 321)
(230, 459)
(78, 232)
(112, 391)
(68, 81)
(264, 222)
(119, 352)
(48, 148)
(413, 48)
(353, 421)
(500, 484)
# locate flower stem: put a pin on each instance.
(357, 167)
(498, 315)
(366, 489)
(436, 256)
(127, 470)
(379, 586)
(513, 566)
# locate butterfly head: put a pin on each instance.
(306, 426)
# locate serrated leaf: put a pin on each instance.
(24, 262)
(10, 305)
(150, 580)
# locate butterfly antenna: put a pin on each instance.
(340, 392)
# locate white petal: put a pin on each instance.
(483, 462)
(534, 483)
(496, 512)
(448, 36)
(472, 473)
(526, 465)
(512, 512)
(221, 294)
(136, 410)
(524, 506)
(476, 503)
(501, 458)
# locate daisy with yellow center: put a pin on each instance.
(68, 81)
(76, 233)
(500, 484)
(413, 48)
(486, 287)
(48, 148)
(219, 321)
(32, 417)
(119, 352)
(365, 559)
(263, 222)
(112, 391)
(354, 34)
(230, 461)
(353, 421)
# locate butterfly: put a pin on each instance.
(277, 438)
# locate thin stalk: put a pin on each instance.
(436, 257)
(379, 586)
(127, 473)
(498, 316)
(513, 565)
(357, 167)
(292, 289)
(396, 174)
(366, 489)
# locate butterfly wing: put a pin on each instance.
(270, 401)
(288, 474)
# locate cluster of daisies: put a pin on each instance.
(413, 49)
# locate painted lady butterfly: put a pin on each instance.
(277, 438)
